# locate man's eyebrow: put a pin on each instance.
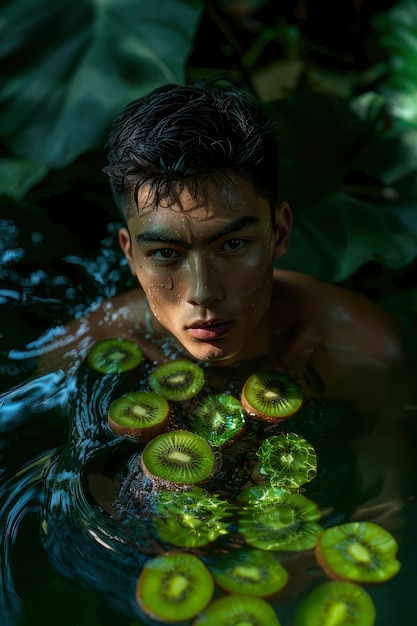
(153, 235)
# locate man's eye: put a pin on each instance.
(164, 254)
(233, 244)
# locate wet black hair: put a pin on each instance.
(189, 134)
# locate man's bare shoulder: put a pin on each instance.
(335, 316)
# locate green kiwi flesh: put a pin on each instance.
(192, 518)
(362, 552)
(336, 604)
(271, 396)
(288, 523)
(179, 457)
(219, 418)
(174, 587)
(113, 356)
(288, 459)
(140, 414)
(238, 610)
(177, 380)
(250, 572)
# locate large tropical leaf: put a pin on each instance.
(348, 170)
(70, 65)
(396, 30)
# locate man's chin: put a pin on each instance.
(212, 354)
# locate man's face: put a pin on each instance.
(206, 268)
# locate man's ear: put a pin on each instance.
(283, 225)
(125, 244)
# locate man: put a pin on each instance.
(194, 173)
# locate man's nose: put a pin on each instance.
(204, 282)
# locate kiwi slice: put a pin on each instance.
(271, 396)
(288, 459)
(262, 496)
(113, 356)
(174, 587)
(192, 518)
(336, 604)
(179, 457)
(362, 552)
(290, 523)
(140, 414)
(238, 610)
(249, 571)
(219, 418)
(177, 380)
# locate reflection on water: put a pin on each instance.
(64, 466)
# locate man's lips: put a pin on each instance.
(206, 331)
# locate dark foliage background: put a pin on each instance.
(340, 79)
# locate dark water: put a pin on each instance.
(68, 556)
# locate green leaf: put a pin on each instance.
(70, 66)
(348, 171)
(333, 238)
(396, 34)
(17, 176)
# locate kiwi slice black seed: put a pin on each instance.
(336, 604)
(219, 418)
(179, 457)
(249, 571)
(288, 459)
(237, 610)
(113, 356)
(288, 523)
(174, 587)
(361, 552)
(140, 414)
(177, 380)
(271, 396)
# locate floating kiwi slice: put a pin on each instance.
(113, 356)
(362, 552)
(288, 524)
(219, 418)
(141, 414)
(174, 587)
(336, 604)
(271, 396)
(238, 610)
(179, 457)
(288, 459)
(249, 571)
(177, 380)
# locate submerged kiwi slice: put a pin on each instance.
(140, 414)
(238, 610)
(179, 457)
(271, 396)
(177, 380)
(288, 522)
(192, 518)
(336, 604)
(288, 459)
(174, 587)
(219, 418)
(362, 552)
(249, 571)
(113, 356)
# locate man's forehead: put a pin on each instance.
(190, 196)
